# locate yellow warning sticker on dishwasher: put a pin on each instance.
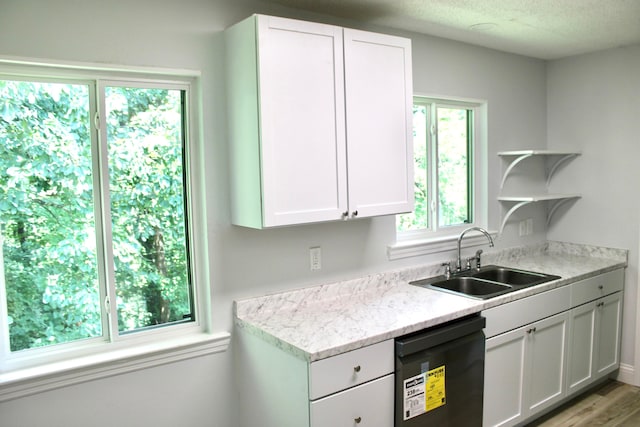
(423, 393)
(435, 393)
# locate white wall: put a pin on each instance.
(187, 34)
(593, 107)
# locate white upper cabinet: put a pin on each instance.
(379, 102)
(319, 122)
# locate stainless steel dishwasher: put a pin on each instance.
(439, 375)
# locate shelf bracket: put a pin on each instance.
(557, 164)
(511, 211)
(556, 205)
(559, 201)
(511, 166)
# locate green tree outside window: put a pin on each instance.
(51, 208)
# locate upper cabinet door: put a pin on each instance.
(379, 100)
(302, 121)
(303, 146)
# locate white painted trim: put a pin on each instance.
(636, 357)
(92, 66)
(626, 374)
(29, 372)
(51, 376)
(418, 247)
(425, 242)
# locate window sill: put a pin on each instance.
(427, 246)
(28, 381)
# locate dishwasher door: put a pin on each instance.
(439, 375)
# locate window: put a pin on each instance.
(145, 145)
(448, 149)
(94, 213)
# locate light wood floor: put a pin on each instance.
(613, 404)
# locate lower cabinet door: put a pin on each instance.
(580, 363)
(367, 405)
(547, 344)
(524, 371)
(504, 375)
(609, 318)
(594, 343)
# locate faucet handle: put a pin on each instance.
(478, 253)
(447, 269)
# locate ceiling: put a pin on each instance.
(546, 29)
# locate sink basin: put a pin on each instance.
(512, 276)
(488, 282)
(472, 286)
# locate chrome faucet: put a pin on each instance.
(478, 260)
(483, 231)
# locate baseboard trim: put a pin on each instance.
(626, 374)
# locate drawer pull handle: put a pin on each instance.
(356, 368)
(600, 287)
(358, 420)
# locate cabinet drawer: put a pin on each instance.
(345, 370)
(596, 287)
(526, 310)
(367, 405)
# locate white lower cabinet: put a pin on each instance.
(278, 389)
(532, 365)
(540, 350)
(504, 372)
(524, 370)
(354, 388)
(367, 405)
(608, 329)
(546, 349)
(594, 341)
(581, 347)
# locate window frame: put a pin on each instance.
(33, 370)
(113, 328)
(437, 239)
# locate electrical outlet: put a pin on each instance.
(529, 226)
(315, 258)
(522, 228)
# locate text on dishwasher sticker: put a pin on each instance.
(424, 392)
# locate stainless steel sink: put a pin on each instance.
(473, 287)
(488, 282)
(511, 276)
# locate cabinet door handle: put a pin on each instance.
(345, 214)
(358, 420)
(601, 287)
(356, 368)
(531, 330)
(600, 304)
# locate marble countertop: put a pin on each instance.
(325, 320)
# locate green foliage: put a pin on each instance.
(47, 210)
(452, 168)
(453, 172)
(419, 218)
(147, 205)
